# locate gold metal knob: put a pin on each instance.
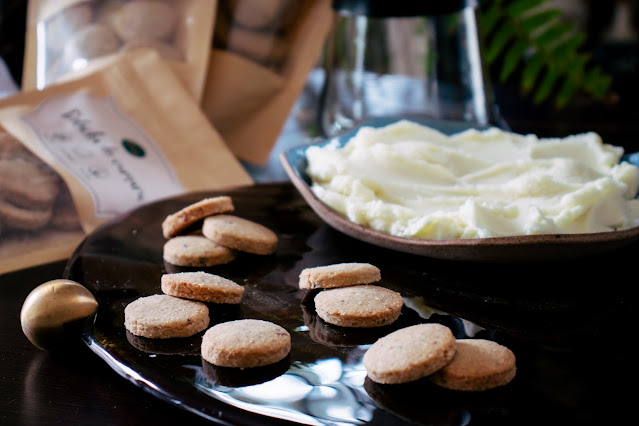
(51, 307)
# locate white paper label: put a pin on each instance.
(112, 156)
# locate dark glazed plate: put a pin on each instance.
(538, 315)
(501, 249)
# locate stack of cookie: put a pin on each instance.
(256, 29)
(204, 234)
(32, 195)
(347, 299)
(182, 310)
(86, 31)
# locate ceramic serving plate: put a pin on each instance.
(501, 249)
(323, 380)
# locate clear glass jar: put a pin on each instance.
(404, 58)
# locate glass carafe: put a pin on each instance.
(404, 58)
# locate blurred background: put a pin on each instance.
(610, 29)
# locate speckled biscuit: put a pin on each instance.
(359, 306)
(339, 275)
(163, 317)
(144, 19)
(176, 222)
(240, 234)
(202, 286)
(410, 353)
(196, 250)
(478, 365)
(245, 343)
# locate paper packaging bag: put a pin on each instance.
(120, 137)
(66, 39)
(257, 69)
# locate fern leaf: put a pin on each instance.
(563, 49)
(537, 20)
(489, 19)
(566, 92)
(512, 58)
(554, 33)
(499, 41)
(546, 85)
(531, 71)
(518, 7)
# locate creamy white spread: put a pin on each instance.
(409, 180)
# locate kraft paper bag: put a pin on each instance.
(256, 74)
(123, 136)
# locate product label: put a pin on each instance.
(112, 156)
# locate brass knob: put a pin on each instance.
(51, 307)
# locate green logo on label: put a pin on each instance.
(133, 148)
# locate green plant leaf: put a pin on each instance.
(553, 33)
(499, 41)
(518, 7)
(546, 85)
(513, 58)
(489, 18)
(566, 48)
(566, 92)
(531, 71)
(537, 20)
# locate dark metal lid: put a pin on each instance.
(400, 8)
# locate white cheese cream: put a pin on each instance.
(409, 180)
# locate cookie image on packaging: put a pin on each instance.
(144, 19)
(163, 317)
(202, 286)
(339, 275)
(478, 365)
(359, 306)
(410, 353)
(245, 343)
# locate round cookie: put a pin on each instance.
(22, 218)
(90, 42)
(256, 14)
(165, 50)
(202, 286)
(359, 306)
(245, 343)
(339, 275)
(28, 184)
(478, 365)
(240, 234)
(163, 317)
(410, 353)
(196, 250)
(176, 222)
(144, 19)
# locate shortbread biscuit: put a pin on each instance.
(240, 234)
(178, 221)
(202, 286)
(196, 250)
(410, 353)
(165, 50)
(21, 218)
(478, 365)
(90, 42)
(339, 275)
(28, 184)
(163, 317)
(359, 306)
(245, 343)
(144, 19)
(256, 14)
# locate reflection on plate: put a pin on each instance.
(499, 249)
(323, 379)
